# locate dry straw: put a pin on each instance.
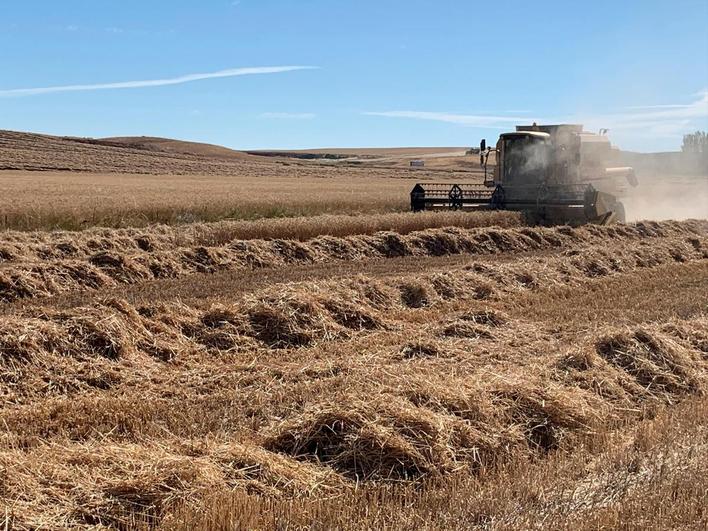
(105, 268)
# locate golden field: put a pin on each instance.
(352, 367)
(51, 182)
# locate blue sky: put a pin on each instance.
(387, 73)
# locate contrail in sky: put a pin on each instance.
(233, 72)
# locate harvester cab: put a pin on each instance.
(554, 173)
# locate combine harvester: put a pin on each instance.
(553, 173)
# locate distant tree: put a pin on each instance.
(695, 142)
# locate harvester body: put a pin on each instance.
(554, 173)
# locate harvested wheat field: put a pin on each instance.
(498, 376)
(359, 368)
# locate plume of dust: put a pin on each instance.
(663, 202)
(676, 198)
(672, 185)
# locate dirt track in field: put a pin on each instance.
(202, 287)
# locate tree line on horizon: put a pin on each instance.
(695, 142)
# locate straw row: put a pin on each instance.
(109, 268)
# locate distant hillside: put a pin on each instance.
(361, 152)
(168, 145)
(146, 154)
(37, 152)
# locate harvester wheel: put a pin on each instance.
(620, 215)
(498, 199)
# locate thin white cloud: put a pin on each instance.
(652, 107)
(662, 120)
(472, 120)
(233, 72)
(665, 121)
(694, 110)
(289, 115)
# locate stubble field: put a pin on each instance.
(360, 369)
